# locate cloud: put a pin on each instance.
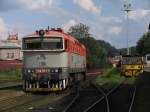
(106, 28)
(138, 14)
(110, 19)
(88, 5)
(115, 30)
(36, 4)
(70, 23)
(3, 27)
(7, 5)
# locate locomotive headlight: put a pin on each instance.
(56, 70)
(32, 71)
(29, 71)
(52, 70)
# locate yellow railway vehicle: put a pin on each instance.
(132, 65)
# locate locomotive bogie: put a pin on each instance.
(50, 85)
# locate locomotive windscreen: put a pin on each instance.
(47, 43)
(132, 60)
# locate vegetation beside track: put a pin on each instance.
(110, 77)
(12, 74)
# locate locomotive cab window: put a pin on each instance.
(36, 45)
(52, 44)
(47, 43)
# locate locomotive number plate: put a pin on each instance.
(42, 70)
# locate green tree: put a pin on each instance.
(143, 44)
(96, 55)
(79, 31)
(110, 50)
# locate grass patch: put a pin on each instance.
(110, 77)
(13, 74)
(131, 80)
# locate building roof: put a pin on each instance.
(9, 45)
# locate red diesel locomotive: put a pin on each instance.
(52, 60)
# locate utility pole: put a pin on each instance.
(127, 10)
(149, 27)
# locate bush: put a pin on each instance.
(110, 77)
(11, 74)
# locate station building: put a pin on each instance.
(10, 49)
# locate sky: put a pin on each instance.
(106, 18)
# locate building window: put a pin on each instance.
(7, 55)
(10, 55)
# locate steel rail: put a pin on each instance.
(19, 104)
(74, 100)
(133, 98)
(107, 102)
(77, 96)
(102, 98)
(10, 98)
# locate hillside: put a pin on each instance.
(111, 50)
(133, 50)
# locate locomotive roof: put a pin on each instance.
(55, 33)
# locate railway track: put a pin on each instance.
(14, 102)
(64, 103)
(84, 98)
(115, 100)
(27, 102)
(103, 101)
(123, 99)
(86, 94)
(10, 84)
(87, 98)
